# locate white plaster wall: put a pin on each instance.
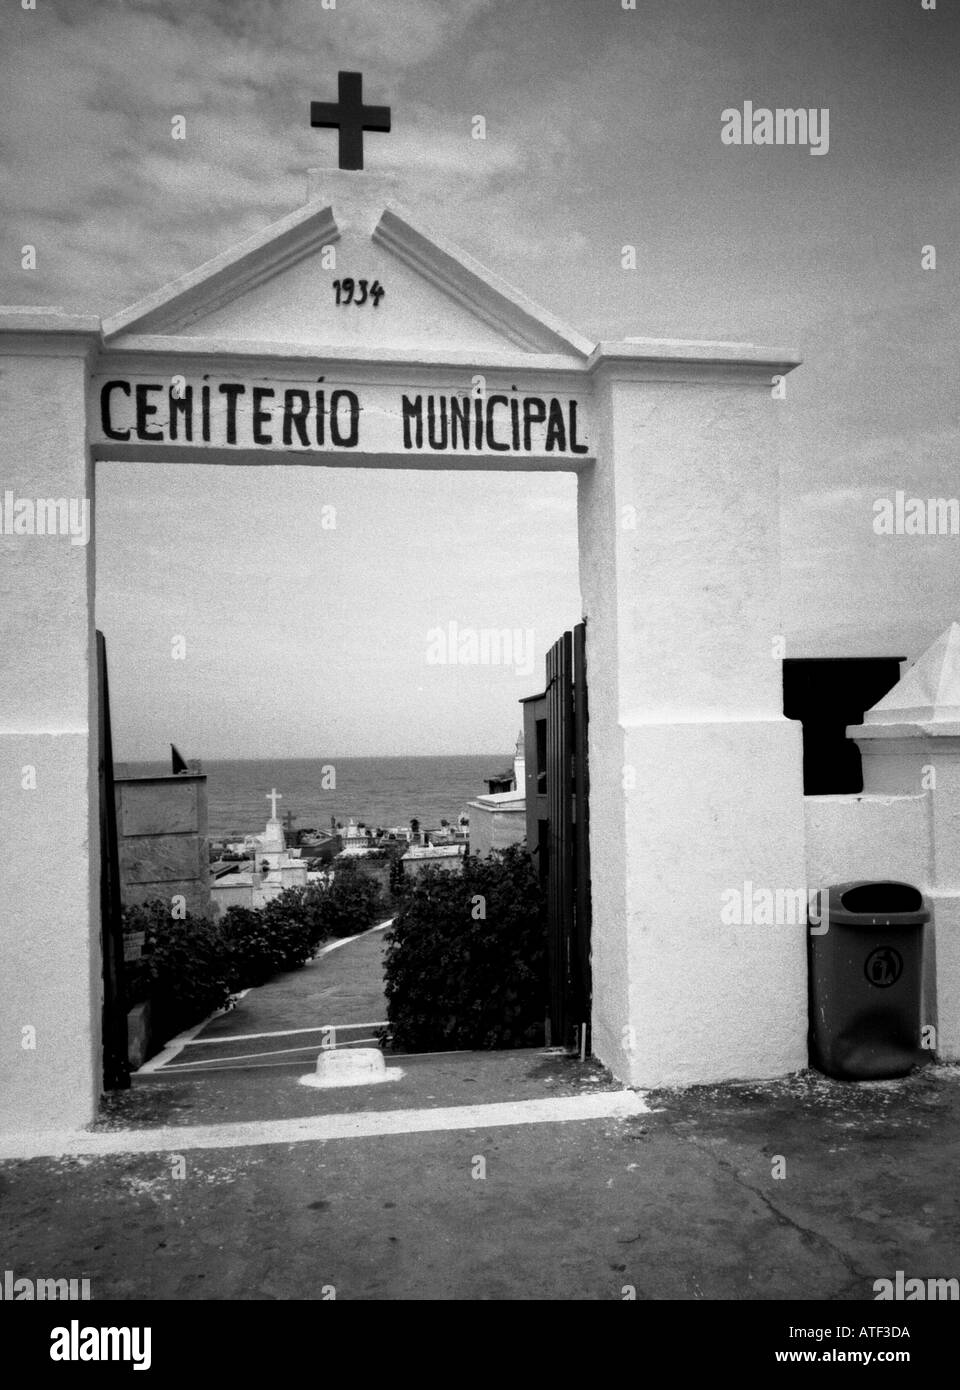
(696, 782)
(905, 761)
(892, 766)
(45, 582)
(490, 829)
(597, 523)
(223, 896)
(945, 802)
(946, 959)
(945, 893)
(294, 876)
(710, 1002)
(698, 460)
(300, 306)
(852, 837)
(50, 969)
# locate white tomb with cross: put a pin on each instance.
(273, 842)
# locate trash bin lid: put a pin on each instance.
(877, 902)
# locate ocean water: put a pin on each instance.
(380, 791)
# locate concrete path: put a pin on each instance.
(288, 1017)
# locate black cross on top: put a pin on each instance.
(350, 117)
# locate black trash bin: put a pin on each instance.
(865, 981)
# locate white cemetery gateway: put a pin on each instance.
(345, 335)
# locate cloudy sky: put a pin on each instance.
(603, 129)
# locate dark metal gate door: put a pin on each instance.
(116, 1070)
(568, 874)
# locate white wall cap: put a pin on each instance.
(906, 729)
(928, 693)
(44, 318)
(640, 350)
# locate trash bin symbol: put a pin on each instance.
(883, 967)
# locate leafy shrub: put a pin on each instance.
(261, 942)
(190, 967)
(308, 903)
(183, 970)
(293, 918)
(350, 904)
(465, 964)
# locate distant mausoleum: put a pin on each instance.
(498, 819)
(420, 857)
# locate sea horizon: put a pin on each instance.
(382, 791)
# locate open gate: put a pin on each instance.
(557, 791)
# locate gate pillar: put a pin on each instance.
(50, 972)
(695, 776)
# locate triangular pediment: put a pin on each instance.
(281, 286)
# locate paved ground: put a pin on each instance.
(681, 1202)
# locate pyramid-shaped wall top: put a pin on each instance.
(927, 693)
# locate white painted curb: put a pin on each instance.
(310, 1129)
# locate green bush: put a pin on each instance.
(350, 904)
(184, 969)
(309, 906)
(262, 942)
(465, 964)
(191, 967)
